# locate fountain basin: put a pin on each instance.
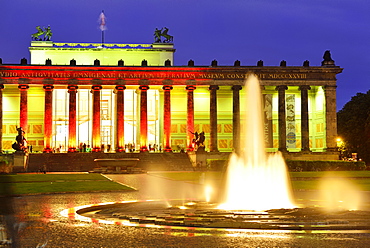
(195, 214)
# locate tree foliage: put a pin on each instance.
(354, 125)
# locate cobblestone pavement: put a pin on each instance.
(38, 223)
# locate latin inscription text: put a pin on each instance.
(145, 75)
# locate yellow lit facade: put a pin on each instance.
(132, 73)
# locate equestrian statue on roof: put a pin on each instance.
(163, 32)
(42, 31)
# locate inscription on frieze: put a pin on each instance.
(146, 75)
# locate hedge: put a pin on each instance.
(337, 165)
(303, 165)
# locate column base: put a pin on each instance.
(144, 149)
(96, 149)
(47, 150)
(120, 149)
(167, 149)
(72, 149)
(305, 150)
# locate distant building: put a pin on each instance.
(116, 95)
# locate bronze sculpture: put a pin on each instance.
(46, 32)
(158, 33)
(20, 144)
(327, 56)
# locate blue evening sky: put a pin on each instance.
(204, 30)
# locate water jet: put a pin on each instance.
(255, 180)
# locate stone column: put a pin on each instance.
(143, 118)
(96, 118)
(305, 137)
(236, 117)
(48, 118)
(282, 117)
(72, 120)
(167, 118)
(331, 117)
(1, 116)
(120, 118)
(190, 117)
(23, 107)
(213, 118)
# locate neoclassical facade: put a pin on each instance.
(71, 94)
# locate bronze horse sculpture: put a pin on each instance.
(36, 36)
(158, 34)
(169, 38)
(46, 32)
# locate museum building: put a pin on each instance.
(131, 97)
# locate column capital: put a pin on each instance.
(236, 87)
(167, 87)
(119, 87)
(281, 88)
(190, 88)
(143, 87)
(304, 87)
(214, 87)
(96, 87)
(23, 86)
(72, 88)
(48, 87)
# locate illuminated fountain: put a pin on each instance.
(257, 195)
(256, 181)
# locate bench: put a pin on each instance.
(117, 165)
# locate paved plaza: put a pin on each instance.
(40, 224)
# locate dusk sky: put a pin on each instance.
(204, 30)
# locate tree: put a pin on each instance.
(354, 125)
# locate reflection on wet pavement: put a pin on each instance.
(38, 223)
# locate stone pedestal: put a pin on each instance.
(201, 159)
(20, 161)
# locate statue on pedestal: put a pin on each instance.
(198, 140)
(21, 142)
(327, 59)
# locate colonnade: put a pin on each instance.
(330, 111)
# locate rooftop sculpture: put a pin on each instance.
(163, 32)
(42, 31)
(327, 59)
